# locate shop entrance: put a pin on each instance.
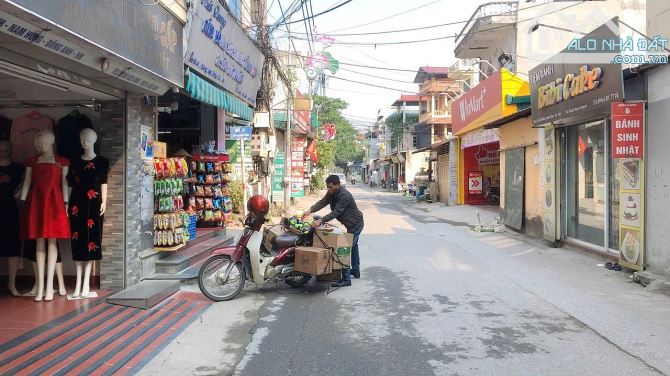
(32, 102)
(590, 199)
(481, 166)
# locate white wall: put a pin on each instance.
(534, 48)
(658, 172)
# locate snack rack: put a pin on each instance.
(209, 197)
(171, 224)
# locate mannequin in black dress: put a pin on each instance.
(88, 199)
(10, 246)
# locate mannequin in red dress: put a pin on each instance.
(45, 192)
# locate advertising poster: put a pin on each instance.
(298, 167)
(627, 146)
(549, 201)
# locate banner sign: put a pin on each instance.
(627, 130)
(572, 92)
(219, 49)
(156, 77)
(278, 178)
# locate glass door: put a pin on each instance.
(586, 183)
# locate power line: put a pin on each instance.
(368, 84)
(442, 37)
(368, 66)
(395, 31)
(380, 77)
(322, 13)
(386, 18)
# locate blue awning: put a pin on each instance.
(202, 90)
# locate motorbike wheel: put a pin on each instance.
(296, 279)
(209, 278)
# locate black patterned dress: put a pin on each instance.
(86, 178)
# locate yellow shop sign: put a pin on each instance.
(568, 87)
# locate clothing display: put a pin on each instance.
(45, 215)
(25, 129)
(67, 132)
(10, 178)
(5, 128)
(30, 250)
(86, 179)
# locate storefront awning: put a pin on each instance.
(202, 90)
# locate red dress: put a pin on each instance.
(45, 215)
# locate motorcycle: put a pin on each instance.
(353, 181)
(223, 275)
(492, 195)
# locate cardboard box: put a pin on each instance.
(160, 149)
(340, 242)
(315, 261)
(270, 234)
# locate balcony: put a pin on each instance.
(437, 116)
(490, 26)
(434, 86)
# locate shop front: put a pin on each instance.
(592, 155)
(479, 154)
(92, 80)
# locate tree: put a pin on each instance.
(346, 147)
(395, 125)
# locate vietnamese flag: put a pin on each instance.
(311, 151)
(581, 148)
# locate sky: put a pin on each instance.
(382, 15)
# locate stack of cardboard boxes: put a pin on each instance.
(330, 253)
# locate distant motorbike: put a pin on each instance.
(353, 181)
(492, 195)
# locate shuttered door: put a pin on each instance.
(443, 177)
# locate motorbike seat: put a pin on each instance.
(285, 240)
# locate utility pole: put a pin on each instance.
(288, 177)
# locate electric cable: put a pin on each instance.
(324, 12)
(380, 77)
(386, 18)
(369, 84)
(442, 37)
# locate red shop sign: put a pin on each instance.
(627, 130)
(475, 182)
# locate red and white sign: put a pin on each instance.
(475, 180)
(477, 102)
(627, 130)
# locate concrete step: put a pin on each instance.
(145, 294)
(191, 255)
(187, 276)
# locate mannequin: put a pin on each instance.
(10, 247)
(88, 201)
(45, 194)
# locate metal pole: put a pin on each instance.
(244, 179)
(287, 154)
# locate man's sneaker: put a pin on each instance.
(341, 284)
(356, 274)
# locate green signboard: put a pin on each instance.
(233, 149)
(278, 178)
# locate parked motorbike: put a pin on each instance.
(492, 195)
(372, 184)
(223, 275)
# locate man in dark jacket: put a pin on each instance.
(344, 209)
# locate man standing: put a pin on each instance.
(344, 209)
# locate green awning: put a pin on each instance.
(202, 90)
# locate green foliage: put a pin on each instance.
(346, 147)
(319, 180)
(395, 125)
(326, 153)
(236, 195)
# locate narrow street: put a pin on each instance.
(436, 298)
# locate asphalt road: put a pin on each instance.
(432, 300)
(435, 298)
